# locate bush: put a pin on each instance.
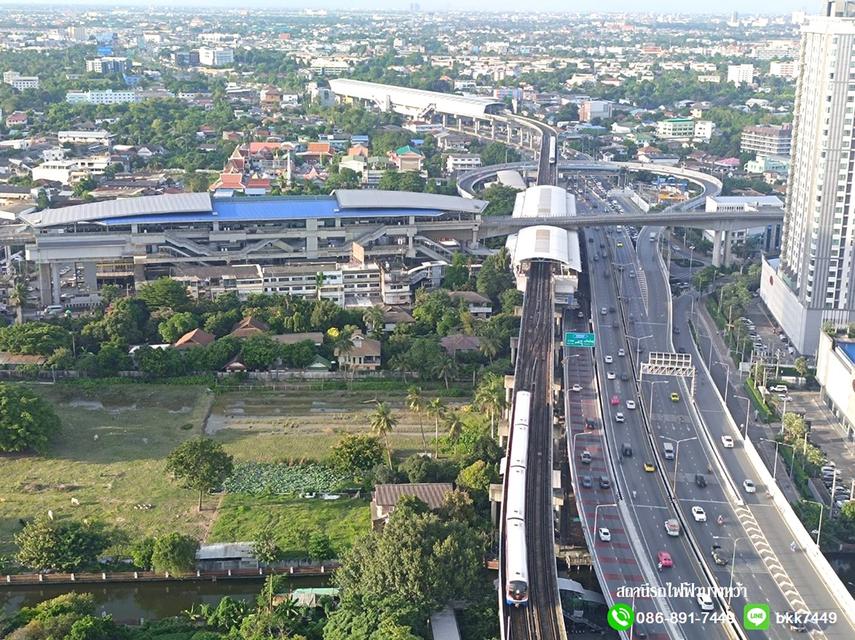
(175, 553)
(60, 546)
(26, 421)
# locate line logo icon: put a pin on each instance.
(756, 617)
(620, 616)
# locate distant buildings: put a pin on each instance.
(788, 69)
(771, 140)
(684, 129)
(462, 162)
(99, 136)
(740, 74)
(105, 96)
(19, 82)
(216, 56)
(107, 65)
(591, 109)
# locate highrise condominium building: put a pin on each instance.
(813, 281)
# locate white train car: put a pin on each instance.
(516, 565)
(515, 496)
(553, 144)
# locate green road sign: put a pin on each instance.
(572, 339)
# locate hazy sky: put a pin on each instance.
(720, 6)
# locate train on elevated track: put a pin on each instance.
(516, 571)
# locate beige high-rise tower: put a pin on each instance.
(814, 279)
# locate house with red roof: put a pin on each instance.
(17, 119)
(318, 151)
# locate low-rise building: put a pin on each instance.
(107, 65)
(771, 140)
(740, 74)
(362, 355)
(105, 96)
(462, 162)
(407, 158)
(19, 82)
(385, 498)
(675, 128)
(97, 136)
(17, 119)
(479, 306)
(591, 109)
(216, 56)
(835, 372)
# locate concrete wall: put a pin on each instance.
(801, 325)
(836, 374)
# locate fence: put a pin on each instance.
(151, 576)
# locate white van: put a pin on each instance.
(668, 449)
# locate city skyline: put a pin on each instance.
(768, 7)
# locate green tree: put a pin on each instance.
(320, 547)
(436, 408)
(177, 325)
(357, 454)
(500, 198)
(497, 153)
(175, 553)
(801, 366)
(141, 553)
(66, 545)
(829, 328)
(265, 548)
(490, 397)
(164, 293)
(416, 403)
(383, 422)
(476, 478)
(453, 424)
(495, 276)
(18, 299)
(259, 352)
(201, 464)
(34, 338)
(26, 421)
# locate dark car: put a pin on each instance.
(796, 621)
(624, 376)
(626, 449)
(590, 423)
(677, 330)
(700, 480)
(718, 556)
(605, 483)
(587, 482)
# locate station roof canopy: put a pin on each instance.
(188, 208)
(543, 242)
(415, 101)
(544, 201)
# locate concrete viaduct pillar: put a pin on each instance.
(44, 284)
(55, 284)
(492, 129)
(90, 276)
(722, 251)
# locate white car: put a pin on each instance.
(749, 486)
(605, 534)
(699, 514)
(727, 442)
(619, 417)
(705, 602)
(630, 404)
(621, 353)
(783, 397)
(608, 359)
(576, 387)
(610, 375)
(779, 388)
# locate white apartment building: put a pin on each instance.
(788, 69)
(106, 96)
(704, 130)
(327, 67)
(216, 56)
(675, 128)
(590, 109)
(740, 74)
(19, 82)
(814, 279)
(98, 136)
(107, 65)
(462, 162)
(71, 170)
(770, 140)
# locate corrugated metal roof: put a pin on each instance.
(544, 201)
(168, 203)
(542, 242)
(431, 493)
(415, 99)
(376, 199)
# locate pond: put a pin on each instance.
(128, 603)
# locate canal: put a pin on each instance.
(129, 602)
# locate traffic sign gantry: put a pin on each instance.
(573, 339)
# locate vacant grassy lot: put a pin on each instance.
(110, 457)
(291, 519)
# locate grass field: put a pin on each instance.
(110, 457)
(291, 519)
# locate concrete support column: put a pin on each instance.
(728, 248)
(311, 238)
(492, 130)
(56, 286)
(90, 276)
(477, 127)
(716, 253)
(44, 284)
(411, 249)
(139, 274)
(522, 136)
(445, 121)
(508, 133)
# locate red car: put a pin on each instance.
(664, 559)
(615, 401)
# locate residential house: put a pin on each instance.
(195, 338)
(17, 119)
(318, 151)
(385, 498)
(249, 327)
(407, 158)
(479, 306)
(459, 342)
(364, 354)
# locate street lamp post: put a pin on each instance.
(732, 563)
(727, 379)
(638, 340)
(650, 402)
(747, 413)
(819, 527)
(691, 253)
(677, 458)
(775, 463)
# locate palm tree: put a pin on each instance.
(489, 346)
(319, 283)
(416, 404)
(373, 319)
(446, 368)
(382, 423)
(453, 424)
(343, 347)
(18, 299)
(490, 397)
(436, 408)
